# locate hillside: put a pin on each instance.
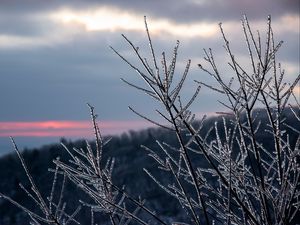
(130, 159)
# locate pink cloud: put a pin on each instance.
(66, 128)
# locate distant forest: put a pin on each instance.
(130, 159)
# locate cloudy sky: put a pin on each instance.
(55, 58)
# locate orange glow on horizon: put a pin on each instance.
(82, 129)
(297, 90)
(43, 125)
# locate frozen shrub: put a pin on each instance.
(243, 180)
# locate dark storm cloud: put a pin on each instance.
(56, 82)
(180, 11)
(22, 24)
(212, 10)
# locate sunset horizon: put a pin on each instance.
(56, 56)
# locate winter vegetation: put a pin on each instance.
(240, 167)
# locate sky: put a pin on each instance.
(55, 58)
